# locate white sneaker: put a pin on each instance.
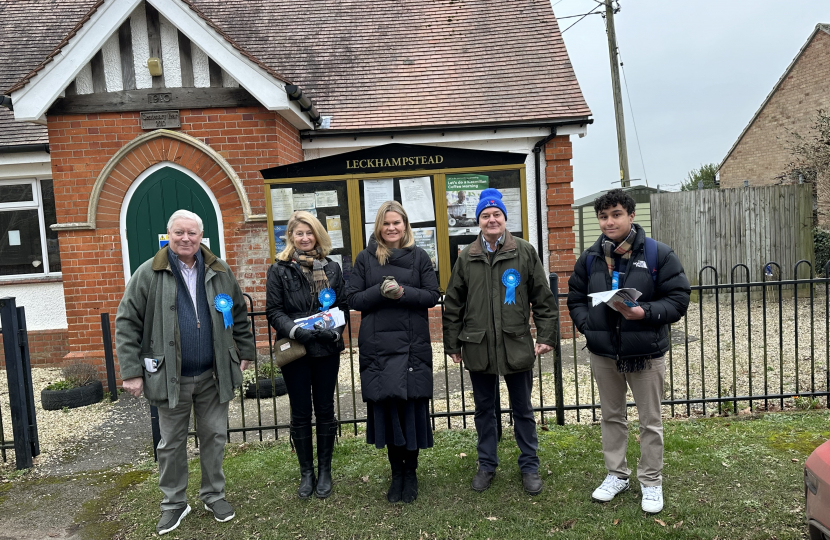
(609, 488)
(652, 498)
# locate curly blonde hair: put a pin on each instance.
(320, 235)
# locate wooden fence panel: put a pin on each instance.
(751, 226)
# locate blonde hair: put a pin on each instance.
(407, 240)
(301, 217)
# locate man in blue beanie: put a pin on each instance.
(495, 283)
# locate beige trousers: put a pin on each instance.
(647, 388)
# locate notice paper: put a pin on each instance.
(337, 258)
(14, 238)
(416, 198)
(304, 201)
(425, 238)
(375, 193)
(335, 231)
(282, 204)
(369, 230)
(279, 238)
(512, 199)
(625, 296)
(326, 198)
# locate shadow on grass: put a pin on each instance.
(723, 478)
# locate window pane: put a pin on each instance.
(16, 193)
(50, 218)
(20, 247)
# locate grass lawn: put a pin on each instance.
(727, 478)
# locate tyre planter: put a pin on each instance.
(266, 389)
(53, 400)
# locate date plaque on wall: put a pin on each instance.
(160, 119)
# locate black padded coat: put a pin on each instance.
(289, 297)
(394, 339)
(664, 301)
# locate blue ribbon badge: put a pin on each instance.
(511, 280)
(326, 298)
(223, 304)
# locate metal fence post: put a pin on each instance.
(27, 380)
(23, 445)
(557, 357)
(106, 335)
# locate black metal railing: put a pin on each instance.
(721, 359)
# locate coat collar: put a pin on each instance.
(639, 241)
(161, 261)
(476, 248)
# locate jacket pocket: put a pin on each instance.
(518, 346)
(474, 350)
(236, 369)
(155, 383)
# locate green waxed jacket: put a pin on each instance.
(151, 298)
(494, 337)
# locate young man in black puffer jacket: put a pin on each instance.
(627, 345)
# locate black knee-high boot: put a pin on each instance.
(326, 434)
(396, 461)
(301, 435)
(410, 477)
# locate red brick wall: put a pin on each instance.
(46, 348)
(249, 139)
(761, 154)
(559, 198)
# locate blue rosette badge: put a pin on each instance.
(223, 304)
(511, 280)
(326, 298)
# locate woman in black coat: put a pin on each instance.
(393, 285)
(294, 284)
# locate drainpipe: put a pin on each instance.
(537, 148)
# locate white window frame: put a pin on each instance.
(37, 204)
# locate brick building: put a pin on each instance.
(760, 156)
(248, 86)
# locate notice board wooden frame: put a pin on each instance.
(439, 200)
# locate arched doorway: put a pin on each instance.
(151, 200)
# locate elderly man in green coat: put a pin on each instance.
(183, 338)
(495, 283)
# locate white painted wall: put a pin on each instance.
(44, 303)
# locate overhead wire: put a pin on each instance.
(582, 17)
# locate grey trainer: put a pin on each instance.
(222, 511)
(170, 519)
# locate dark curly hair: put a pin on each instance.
(612, 199)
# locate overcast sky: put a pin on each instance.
(697, 72)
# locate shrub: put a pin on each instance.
(821, 241)
(79, 374)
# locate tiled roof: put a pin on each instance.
(14, 133)
(381, 64)
(32, 30)
(371, 64)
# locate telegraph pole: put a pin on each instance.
(618, 103)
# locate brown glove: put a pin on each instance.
(390, 288)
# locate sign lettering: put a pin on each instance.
(414, 161)
(160, 119)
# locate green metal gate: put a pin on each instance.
(152, 204)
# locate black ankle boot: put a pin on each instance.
(305, 455)
(410, 477)
(396, 462)
(326, 434)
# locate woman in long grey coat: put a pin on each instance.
(393, 285)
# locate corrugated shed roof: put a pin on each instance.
(371, 64)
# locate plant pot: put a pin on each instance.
(53, 400)
(266, 389)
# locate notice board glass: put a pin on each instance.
(439, 187)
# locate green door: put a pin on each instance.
(152, 204)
